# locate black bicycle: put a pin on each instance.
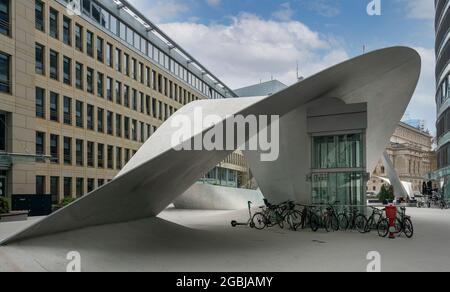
(309, 218)
(403, 224)
(355, 221)
(374, 220)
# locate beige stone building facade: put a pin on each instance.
(412, 155)
(81, 93)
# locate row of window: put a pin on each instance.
(105, 53)
(75, 112)
(87, 153)
(96, 83)
(443, 156)
(82, 186)
(443, 92)
(443, 124)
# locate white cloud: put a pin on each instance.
(418, 9)
(213, 3)
(327, 8)
(160, 11)
(285, 12)
(251, 48)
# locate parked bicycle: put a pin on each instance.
(374, 220)
(403, 224)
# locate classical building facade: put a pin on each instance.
(81, 92)
(411, 153)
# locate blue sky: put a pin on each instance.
(248, 41)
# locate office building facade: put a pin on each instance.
(442, 47)
(82, 90)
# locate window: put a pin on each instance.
(40, 103)
(133, 69)
(79, 76)
(54, 65)
(142, 131)
(90, 80)
(53, 23)
(117, 60)
(90, 185)
(79, 37)
(79, 187)
(67, 70)
(40, 143)
(68, 187)
(345, 151)
(90, 154)
(90, 43)
(39, 56)
(134, 130)
(127, 155)
(100, 118)
(79, 114)
(79, 152)
(39, 15)
(109, 85)
(40, 185)
(126, 126)
(54, 107)
(90, 117)
(118, 125)
(67, 31)
(54, 189)
(118, 158)
(109, 122)
(126, 60)
(126, 96)
(67, 110)
(109, 57)
(100, 155)
(118, 90)
(100, 182)
(100, 86)
(100, 56)
(135, 100)
(67, 150)
(54, 148)
(87, 7)
(110, 157)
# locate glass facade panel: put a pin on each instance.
(338, 169)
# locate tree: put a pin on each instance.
(386, 193)
(4, 205)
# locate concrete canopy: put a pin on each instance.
(158, 174)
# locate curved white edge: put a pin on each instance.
(157, 174)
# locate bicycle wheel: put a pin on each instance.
(259, 221)
(334, 223)
(330, 223)
(294, 219)
(343, 222)
(408, 228)
(360, 223)
(314, 222)
(383, 228)
(398, 226)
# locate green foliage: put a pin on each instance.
(66, 201)
(386, 193)
(4, 205)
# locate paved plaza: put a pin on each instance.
(204, 241)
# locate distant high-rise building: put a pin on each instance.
(442, 47)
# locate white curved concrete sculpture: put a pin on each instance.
(385, 80)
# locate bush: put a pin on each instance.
(66, 201)
(386, 193)
(4, 205)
